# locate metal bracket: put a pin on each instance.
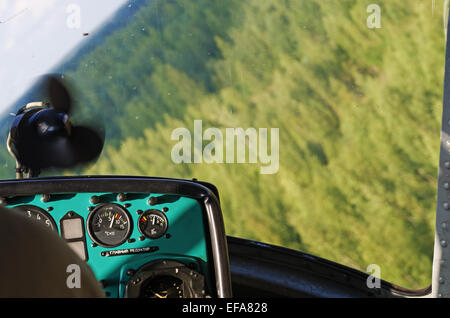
(441, 259)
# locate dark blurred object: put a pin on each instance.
(42, 135)
(39, 262)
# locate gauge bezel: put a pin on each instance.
(92, 234)
(156, 212)
(41, 211)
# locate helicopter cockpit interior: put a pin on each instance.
(142, 237)
(99, 158)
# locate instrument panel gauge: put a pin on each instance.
(37, 215)
(153, 224)
(109, 225)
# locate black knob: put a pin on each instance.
(153, 201)
(45, 198)
(95, 199)
(121, 197)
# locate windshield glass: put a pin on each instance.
(318, 121)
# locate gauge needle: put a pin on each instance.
(112, 221)
(161, 296)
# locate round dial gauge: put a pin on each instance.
(153, 224)
(37, 215)
(163, 287)
(109, 225)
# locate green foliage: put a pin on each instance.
(358, 110)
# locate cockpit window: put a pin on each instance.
(318, 121)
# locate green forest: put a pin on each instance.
(358, 112)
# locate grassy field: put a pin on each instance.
(358, 112)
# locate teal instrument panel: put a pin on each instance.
(184, 238)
